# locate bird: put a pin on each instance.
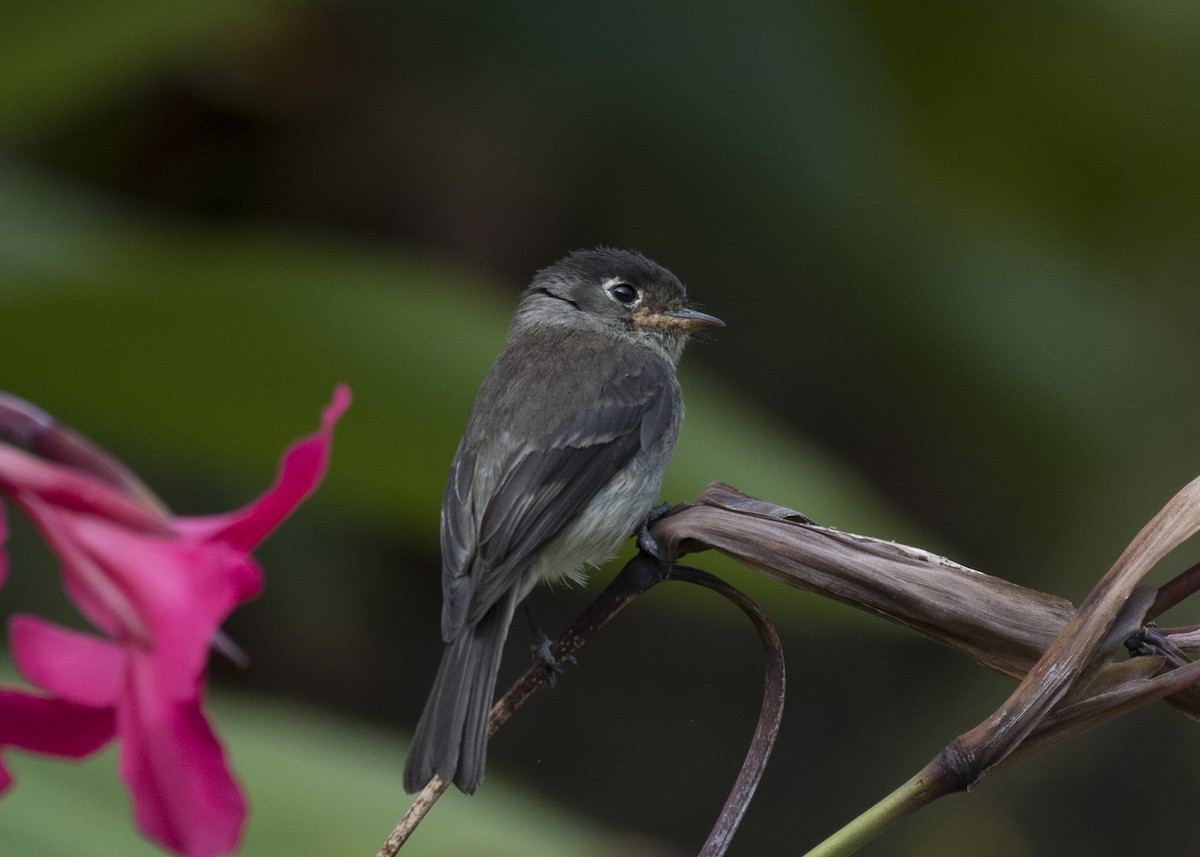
(561, 460)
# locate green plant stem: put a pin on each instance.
(928, 785)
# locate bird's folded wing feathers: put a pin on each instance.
(544, 482)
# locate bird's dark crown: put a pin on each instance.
(587, 278)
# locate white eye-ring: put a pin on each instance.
(623, 293)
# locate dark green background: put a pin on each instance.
(956, 248)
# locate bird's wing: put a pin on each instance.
(492, 523)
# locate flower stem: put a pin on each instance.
(928, 785)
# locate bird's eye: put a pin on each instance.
(623, 292)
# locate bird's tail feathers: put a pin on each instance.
(451, 736)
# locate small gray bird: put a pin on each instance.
(562, 459)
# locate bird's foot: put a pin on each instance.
(541, 647)
(645, 541)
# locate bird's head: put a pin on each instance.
(619, 292)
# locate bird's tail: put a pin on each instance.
(451, 736)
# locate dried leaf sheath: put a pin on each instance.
(999, 624)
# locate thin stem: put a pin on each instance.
(420, 808)
(639, 575)
(1174, 591)
(923, 788)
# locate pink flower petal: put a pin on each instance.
(182, 590)
(148, 591)
(301, 470)
(102, 597)
(184, 795)
(60, 485)
(46, 725)
(80, 668)
(159, 588)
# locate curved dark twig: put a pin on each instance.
(768, 719)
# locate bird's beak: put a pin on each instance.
(683, 319)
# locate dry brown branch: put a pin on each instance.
(1070, 682)
(999, 624)
(1106, 617)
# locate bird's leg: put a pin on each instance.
(645, 541)
(542, 649)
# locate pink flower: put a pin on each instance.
(157, 587)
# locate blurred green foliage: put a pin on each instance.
(321, 785)
(956, 249)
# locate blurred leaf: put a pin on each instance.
(59, 56)
(318, 785)
(218, 346)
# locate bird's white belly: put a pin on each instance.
(596, 534)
